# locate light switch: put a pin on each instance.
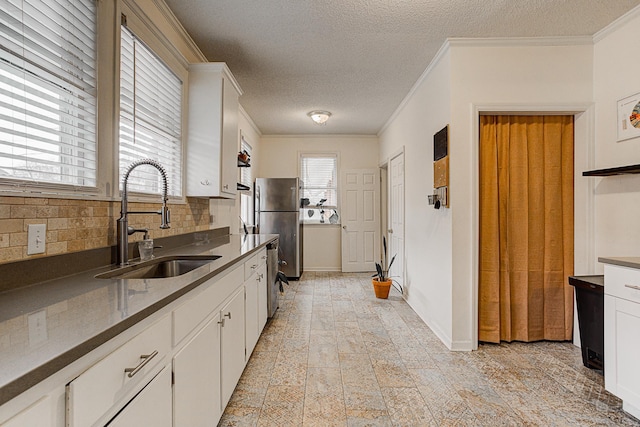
(36, 239)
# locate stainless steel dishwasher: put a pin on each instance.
(272, 270)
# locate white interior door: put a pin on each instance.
(360, 219)
(395, 239)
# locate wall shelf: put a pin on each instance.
(621, 170)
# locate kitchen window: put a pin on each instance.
(48, 93)
(319, 199)
(150, 117)
(246, 196)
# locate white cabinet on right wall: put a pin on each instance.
(213, 138)
(622, 335)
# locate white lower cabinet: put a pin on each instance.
(178, 368)
(196, 369)
(101, 391)
(256, 307)
(151, 407)
(233, 344)
(622, 335)
(262, 297)
(37, 415)
(251, 321)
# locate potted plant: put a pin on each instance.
(381, 281)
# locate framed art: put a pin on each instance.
(629, 117)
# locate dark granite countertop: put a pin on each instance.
(631, 262)
(81, 312)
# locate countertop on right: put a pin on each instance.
(631, 262)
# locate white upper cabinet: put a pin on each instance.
(213, 136)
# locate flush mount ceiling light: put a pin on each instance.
(319, 117)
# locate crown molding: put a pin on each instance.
(320, 136)
(444, 49)
(248, 118)
(615, 25)
(484, 42)
(521, 41)
(180, 30)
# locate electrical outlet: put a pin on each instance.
(36, 239)
(37, 327)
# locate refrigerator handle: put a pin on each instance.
(257, 208)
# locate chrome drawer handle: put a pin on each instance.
(145, 359)
(636, 287)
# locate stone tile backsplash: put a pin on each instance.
(77, 225)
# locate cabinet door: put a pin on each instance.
(196, 368)
(230, 139)
(232, 344)
(262, 298)
(251, 314)
(37, 415)
(152, 407)
(623, 370)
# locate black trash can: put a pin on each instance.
(590, 302)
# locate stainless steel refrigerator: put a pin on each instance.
(277, 211)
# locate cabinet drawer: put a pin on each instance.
(195, 310)
(107, 384)
(622, 282)
(252, 264)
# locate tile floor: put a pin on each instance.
(334, 355)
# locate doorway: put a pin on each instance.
(526, 228)
(395, 221)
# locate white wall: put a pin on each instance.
(427, 230)
(617, 198)
(279, 159)
(492, 75)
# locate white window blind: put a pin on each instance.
(318, 173)
(246, 177)
(150, 117)
(48, 91)
(246, 197)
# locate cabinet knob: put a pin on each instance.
(226, 186)
(205, 182)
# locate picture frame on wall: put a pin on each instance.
(629, 117)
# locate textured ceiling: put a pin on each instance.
(358, 58)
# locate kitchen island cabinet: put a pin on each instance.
(622, 330)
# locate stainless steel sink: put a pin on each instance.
(160, 268)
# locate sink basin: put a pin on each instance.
(160, 268)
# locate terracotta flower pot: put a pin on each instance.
(381, 288)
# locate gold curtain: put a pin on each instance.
(526, 228)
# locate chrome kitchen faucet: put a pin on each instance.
(124, 231)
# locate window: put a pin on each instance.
(150, 117)
(319, 175)
(48, 91)
(246, 196)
